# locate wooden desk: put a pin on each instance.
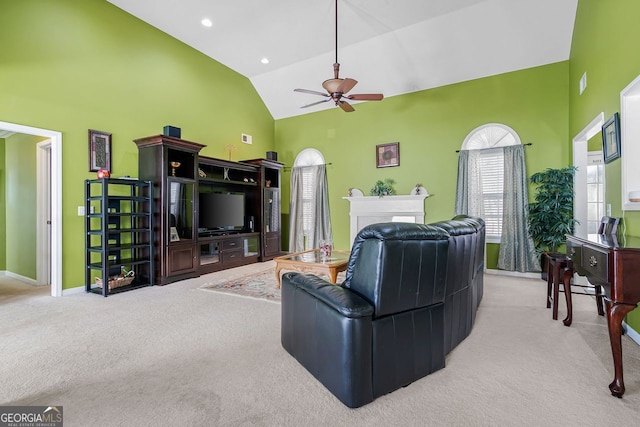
(312, 262)
(615, 265)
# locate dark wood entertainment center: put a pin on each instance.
(180, 176)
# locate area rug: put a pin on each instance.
(260, 285)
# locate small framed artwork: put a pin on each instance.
(388, 155)
(173, 234)
(611, 138)
(99, 151)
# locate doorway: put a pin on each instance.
(43, 215)
(50, 157)
(581, 161)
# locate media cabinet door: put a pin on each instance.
(181, 259)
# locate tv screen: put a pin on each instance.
(221, 211)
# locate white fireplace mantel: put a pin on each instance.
(365, 210)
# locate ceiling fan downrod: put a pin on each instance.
(337, 88)
(336, 65)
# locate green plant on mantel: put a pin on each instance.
(551, 215)
(383, 188)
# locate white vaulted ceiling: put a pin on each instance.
(390, 46)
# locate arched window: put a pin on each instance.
(486, 159)
(492, 184)
(309, 208)
(308, 157)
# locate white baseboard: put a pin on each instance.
(72, 291)
(528, 275)
(21, 278)
(632, 333)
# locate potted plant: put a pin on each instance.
(551, 214)
(385, 188)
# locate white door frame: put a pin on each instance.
(56, 198)
(43, 213)
(580, 157)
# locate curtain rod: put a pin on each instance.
(528, 143)
(286, 168)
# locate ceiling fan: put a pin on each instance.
(337, 88)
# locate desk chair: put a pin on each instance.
(560, 268)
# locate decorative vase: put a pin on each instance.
(103, 173)
(174, 166)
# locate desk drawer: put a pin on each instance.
(231, 244)
(574, 250)
(595, 262)
(230, 257)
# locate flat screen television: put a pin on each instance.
(221, 211)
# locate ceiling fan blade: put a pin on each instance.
(346, 85)
(346, 106)
(315, 103)
(312, 92)
(365, 97)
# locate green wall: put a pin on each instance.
(100, 68)
(21, 206)
(430, 126)
(3, 207)
(97, 67)
(605, 40)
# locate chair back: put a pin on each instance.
(399, 266)
(608, 225)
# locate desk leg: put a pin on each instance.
(615, 314)
(278, 279)
(556, 288)
(549, 281)
(566, 280)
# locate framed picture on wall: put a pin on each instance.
(99, 151)
(388, 155)
(611, 138)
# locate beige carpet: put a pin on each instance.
(176, 355)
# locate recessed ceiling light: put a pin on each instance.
(207, 22)
(264, 60)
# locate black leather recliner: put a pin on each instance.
(409, 297)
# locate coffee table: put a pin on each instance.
(312, 262)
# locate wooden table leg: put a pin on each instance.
(549, 281)
(615, 314)
(556, 287)
(333, 275)
(566, 280)
(278, 279)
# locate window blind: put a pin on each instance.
(308, 185)
(491, 166)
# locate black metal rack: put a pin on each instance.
(118, 235)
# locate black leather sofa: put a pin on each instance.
(410, 296)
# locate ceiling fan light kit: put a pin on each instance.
(337, 88)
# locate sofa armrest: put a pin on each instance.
(342, 300)
(329, 330)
